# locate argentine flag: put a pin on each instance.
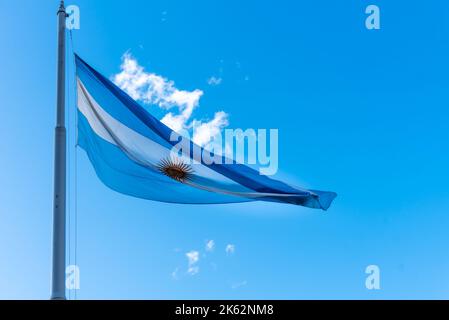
(132, 153)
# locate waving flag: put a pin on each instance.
(132, 153)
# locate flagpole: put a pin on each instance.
(59, 199)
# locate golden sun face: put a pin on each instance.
(175, 169)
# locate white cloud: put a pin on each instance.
(205, 132)
(230, 249)
(210, 245)
(193, 270)
(154, 89)
(174, 274)
(193, 257)
(239, 284)
(214, 81)
(151, 88)
(164, 16)
(175, 122)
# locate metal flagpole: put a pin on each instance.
(59, 199)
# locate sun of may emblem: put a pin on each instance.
(175, 169)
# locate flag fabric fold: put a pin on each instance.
(132, 153)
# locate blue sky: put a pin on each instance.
(359, 112)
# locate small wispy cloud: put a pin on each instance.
(210, 245)
(193, 261)
(193, 257)
(174, 274)
(193, 270)
(214, 81)
(239, 284)
(230, 249)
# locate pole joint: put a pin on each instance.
(61, 8)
